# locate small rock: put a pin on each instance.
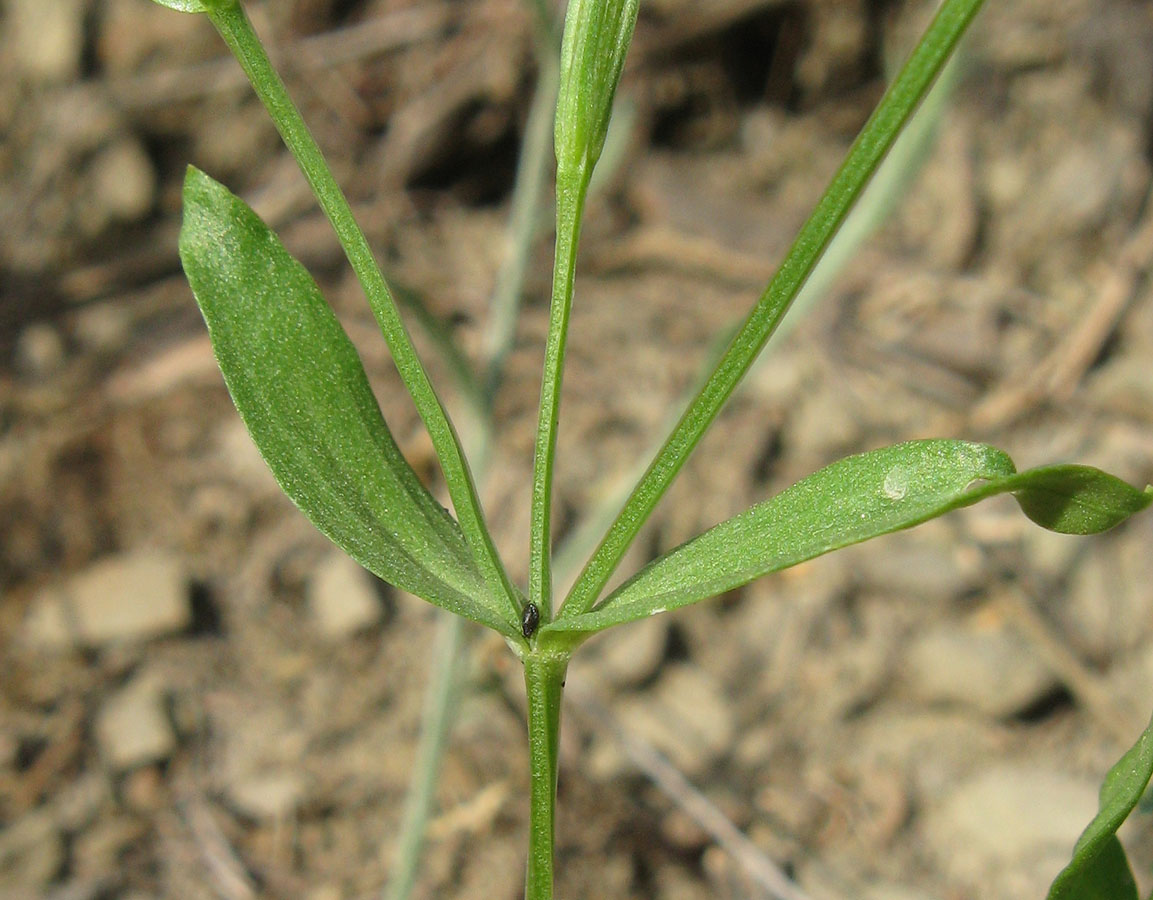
(132, 727)
(1107, 607)
(341, 598)
(267, 796)
(238, 452)
(46, 39)
(1013, 826)
(31, 853)
(686, 716)
(628, 656)
(886, 891)
(980, 663)
(39, 350)
(48, 624)
(124, 181)
(134, 596)
(920, 564)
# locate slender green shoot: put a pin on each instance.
(596, 38)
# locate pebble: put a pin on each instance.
(46, 39)
(626, 657)
(236, 450)
(341, 598)
(979, 663)
(686, 716)
(131, 597)
(268, 796)
(923, 564)
(40, 350)
(886, 891)
(1010, 828)
(123, 181)
(1107, 607)
(31, 852)
(132, 727)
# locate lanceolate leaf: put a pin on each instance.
(301, 389)
(855, 499)
(1099, 869)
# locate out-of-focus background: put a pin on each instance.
(201, 698)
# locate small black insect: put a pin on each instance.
(529, 619)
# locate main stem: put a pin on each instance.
(232, 23)
(571, 189)
(544, 685)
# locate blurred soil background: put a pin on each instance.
(201, 698)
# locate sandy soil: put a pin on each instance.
(200, 699)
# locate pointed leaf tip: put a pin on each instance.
(1078, 499)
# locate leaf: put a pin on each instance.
(1099, 870)
(850, 501)
(303, 394)
(188, 6)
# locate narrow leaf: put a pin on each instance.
(303, 394)
(855, 499)
(1099, 870)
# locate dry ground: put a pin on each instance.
(198, 699)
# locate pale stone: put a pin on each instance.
(980, 663)
(124, 181)
(132, 727)
(48, 624)
(686, 717)
(267, 796)
(46, 37)
(130, 597)
(341, 598)
(1010, 825)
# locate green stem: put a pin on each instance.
(438, 714)
(237, 31)
(875, 139)
(570, 205)
(544, 685)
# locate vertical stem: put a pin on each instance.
(238, 34)
(544, 684)
(570, 205)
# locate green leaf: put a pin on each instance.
(1099, 870)
(188, 6)
(855, 499)
(303, 394)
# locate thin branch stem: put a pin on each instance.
(870, 147)
(237, 31)
(570, 205)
